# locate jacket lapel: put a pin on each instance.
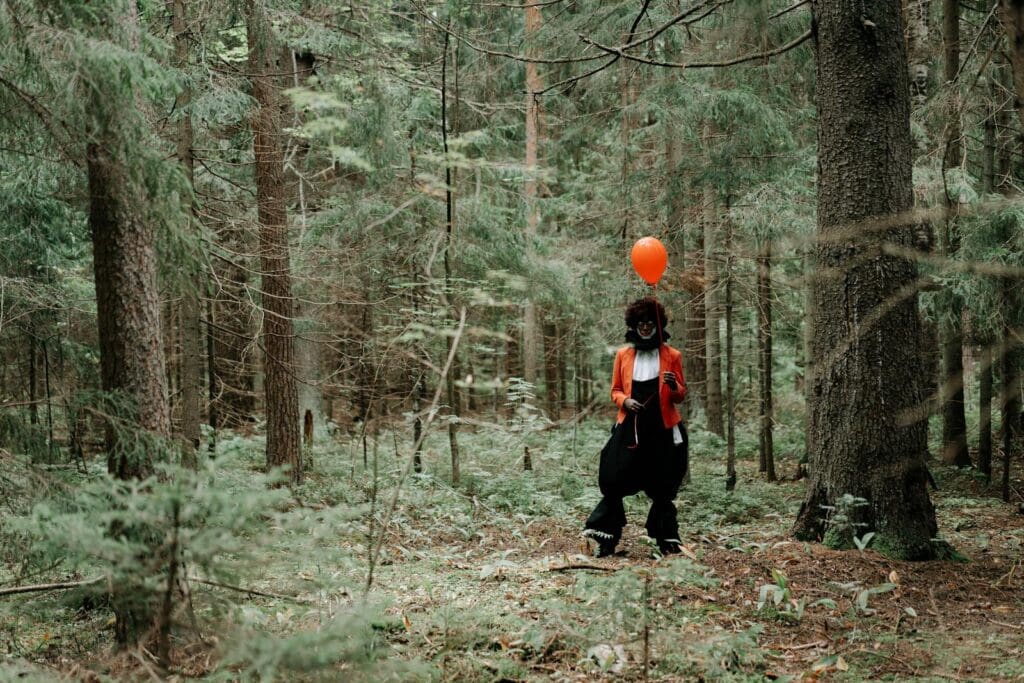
(627, 370)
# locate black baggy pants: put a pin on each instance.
(655, 466)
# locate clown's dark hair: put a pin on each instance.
(647, 308)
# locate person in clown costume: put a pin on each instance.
(647, 450)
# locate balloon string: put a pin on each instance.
(657, 314)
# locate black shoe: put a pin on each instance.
(668, 546)
(605, 542)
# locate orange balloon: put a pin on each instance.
(649, 259)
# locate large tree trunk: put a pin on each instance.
(191, 328)
(127, 298)
(281, 392)
(132, 366)
(866, 435)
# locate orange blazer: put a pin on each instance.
(622, 382)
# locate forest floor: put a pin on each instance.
(491, 581)
(531, 595)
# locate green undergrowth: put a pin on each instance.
(482, 580)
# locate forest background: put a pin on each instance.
(307, 312)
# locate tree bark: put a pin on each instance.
(132, 366)
(696, 327)
(918, 49)
(551, 385)
(127, 302)
(233, 335)
(730, 385)
(985, 413)
(534, 84)
(1013, 21)
(985, 370)
(866, 434)
(1010, 390)
(453, 406)
(1009, 360)
(764, 339)
(713, 344)
(954, 420)
(33, 380)
(191, 328)
(284, 446)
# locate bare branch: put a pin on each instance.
(621, 52)
(42, 587)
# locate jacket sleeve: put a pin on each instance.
(679, 394)
(618, 391)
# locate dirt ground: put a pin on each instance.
(852, 615)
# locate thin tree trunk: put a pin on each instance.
(954, 420)
(730, 398)
(628, 123)
(534, 84)
(49, 401)
(919, 54)
(453, 440)
(1013, 21)
(918, 49)
(561, 361)
(550, 331)
(764, 337)
(808, 346)
(33, 381)
(211, 376)
(713, 346)
(284, 447)
(1010, 392)
(985, 413)
(234, 367)
(191, 330)
(985, 371)
(696, 327)
(1009, 361)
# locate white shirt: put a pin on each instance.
(646, 366)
